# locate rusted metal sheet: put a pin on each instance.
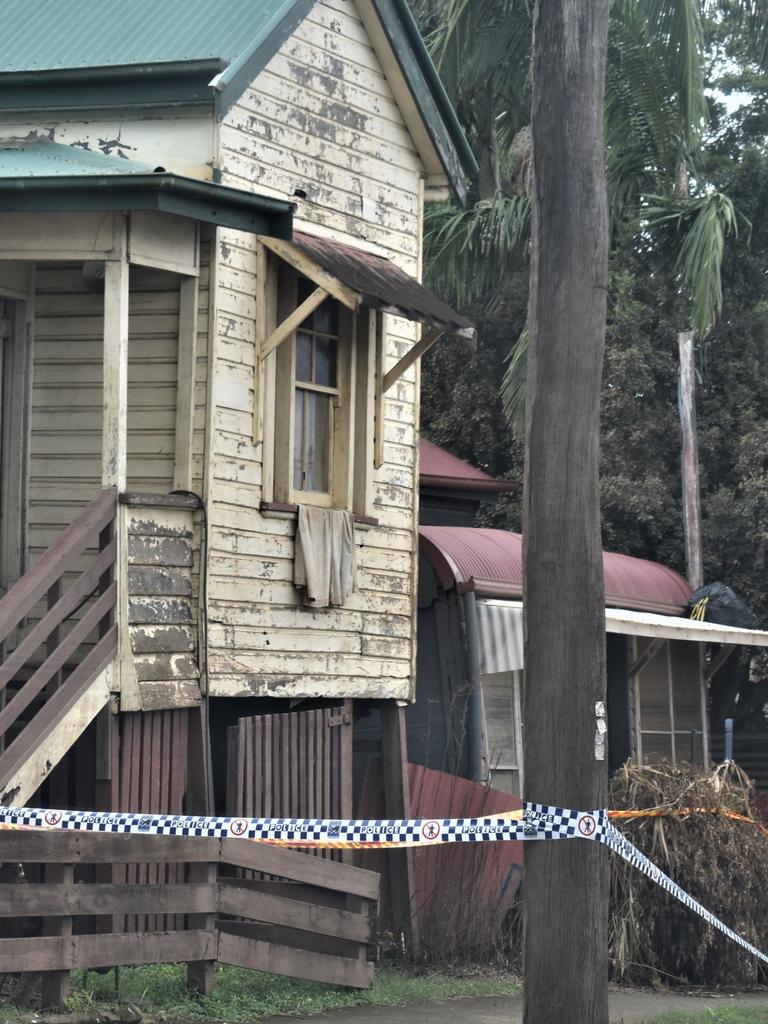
(381, 284)
(461, 890)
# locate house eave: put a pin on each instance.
(168, 193)
(166, 84)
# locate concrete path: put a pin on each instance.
(627, 1007)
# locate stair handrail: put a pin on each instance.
(24, 594)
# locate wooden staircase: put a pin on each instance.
(58, 638)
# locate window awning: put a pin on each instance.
(359, 279)
(500, 627)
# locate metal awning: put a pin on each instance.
(360, 279)
(500, 627)
(37, 175)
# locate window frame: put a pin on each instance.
(340, 445)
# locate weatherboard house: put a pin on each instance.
(211, 320)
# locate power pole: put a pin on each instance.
(689, 461)
(566, 894)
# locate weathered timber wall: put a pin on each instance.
(182, 143)
(163, 571)
(321, 119)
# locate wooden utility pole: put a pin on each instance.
(566, 964)
(689, 462)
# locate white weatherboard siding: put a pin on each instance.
(67, 398)
(320, 119)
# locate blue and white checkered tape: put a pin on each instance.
(533, 821)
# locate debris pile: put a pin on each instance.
(720, 861)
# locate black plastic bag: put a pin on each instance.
(717, 603)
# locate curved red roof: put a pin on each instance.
(490, 562)
(438, 468)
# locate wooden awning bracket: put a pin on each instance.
(648, 655)
(426, 342)
(293, 320)
(303, 265)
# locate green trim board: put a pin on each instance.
(427, 90)
(146, 54)
(161, 192)
(108, 88)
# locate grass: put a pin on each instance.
(724, 1015)
(241, 995)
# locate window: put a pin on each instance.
(316, 394)
(322, 378)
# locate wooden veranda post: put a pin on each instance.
(566, 897)
(115, 416)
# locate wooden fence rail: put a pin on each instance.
(303, 917)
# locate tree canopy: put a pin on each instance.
(725, 162)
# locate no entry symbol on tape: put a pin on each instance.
(587, 825)
(238, 826)
(430, 830)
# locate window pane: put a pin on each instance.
(298, 440)
(317, 427)
(325, 361)
(326, 317)
(303, 357)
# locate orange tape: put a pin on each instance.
(685, 812)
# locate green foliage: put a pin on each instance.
(707, 220)
(487, 237)
(640, 445)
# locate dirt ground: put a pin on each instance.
(627, 1007)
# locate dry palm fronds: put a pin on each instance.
(721, 862)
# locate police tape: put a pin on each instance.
(533, 821)
(615, 841)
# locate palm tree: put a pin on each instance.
(654, 115)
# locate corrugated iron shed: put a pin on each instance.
(490, 563)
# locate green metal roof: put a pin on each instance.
(96, 54)
(42, 35)
(38, 175)
(35, 158)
